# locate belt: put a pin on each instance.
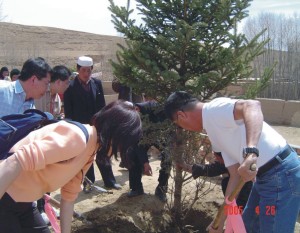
(273, 162)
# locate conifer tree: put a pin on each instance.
(190, 45)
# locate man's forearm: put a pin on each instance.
(209, 170)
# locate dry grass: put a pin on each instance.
(57, 46)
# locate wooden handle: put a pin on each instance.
(253, 167)
(233, 195)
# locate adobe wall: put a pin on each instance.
(109, 93)
(281, 112)
(276, 111)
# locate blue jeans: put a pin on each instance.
(274, 201)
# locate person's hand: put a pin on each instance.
(183, 166)
(60, 116)
(147, 169)
(248, 169)
(210, 229)
(180, 166)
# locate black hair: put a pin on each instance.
(119, 127)
(179, 100)
(14, 72)
(4, 68)
(60, 72)
(35, 66)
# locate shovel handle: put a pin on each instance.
(233, 195)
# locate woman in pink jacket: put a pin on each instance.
(58, 156)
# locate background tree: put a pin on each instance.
(190, 45)
(282, 48)
(183, 45)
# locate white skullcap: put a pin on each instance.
(129, 103)
(85, 61)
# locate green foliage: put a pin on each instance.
(253, 89)
(187, 45)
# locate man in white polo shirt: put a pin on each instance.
(251, 149)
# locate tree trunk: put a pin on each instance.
(177, 153)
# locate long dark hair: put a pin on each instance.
(118, 127)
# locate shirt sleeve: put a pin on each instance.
(62, 142)
(209, 170)
(68, 103)
(221, 112)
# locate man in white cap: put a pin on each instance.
(83, 98)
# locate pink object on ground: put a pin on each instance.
(234, 221)
(51, 214)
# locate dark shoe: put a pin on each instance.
(87, 188)
(114, 186)
(160, 193)
(135, 193)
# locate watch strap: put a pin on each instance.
(250, 150)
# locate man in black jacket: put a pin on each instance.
(82, 100)
(138, 162)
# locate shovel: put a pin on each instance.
(98, 188)
(231, 197)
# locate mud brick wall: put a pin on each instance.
(281, 112)
(276, 111)
(109, 93)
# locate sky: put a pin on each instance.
(93, 15)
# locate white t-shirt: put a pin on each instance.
(228, 136)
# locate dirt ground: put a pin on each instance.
(115, 212)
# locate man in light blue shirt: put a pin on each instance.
(18, 96)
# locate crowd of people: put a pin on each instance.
(59, 156)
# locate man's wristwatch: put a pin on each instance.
(250, 150)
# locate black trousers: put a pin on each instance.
(106, 173)
(105, 169)
(135, 175)
(20, 217)
(165, 169)
(136, 172)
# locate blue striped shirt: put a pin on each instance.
(12, 98)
